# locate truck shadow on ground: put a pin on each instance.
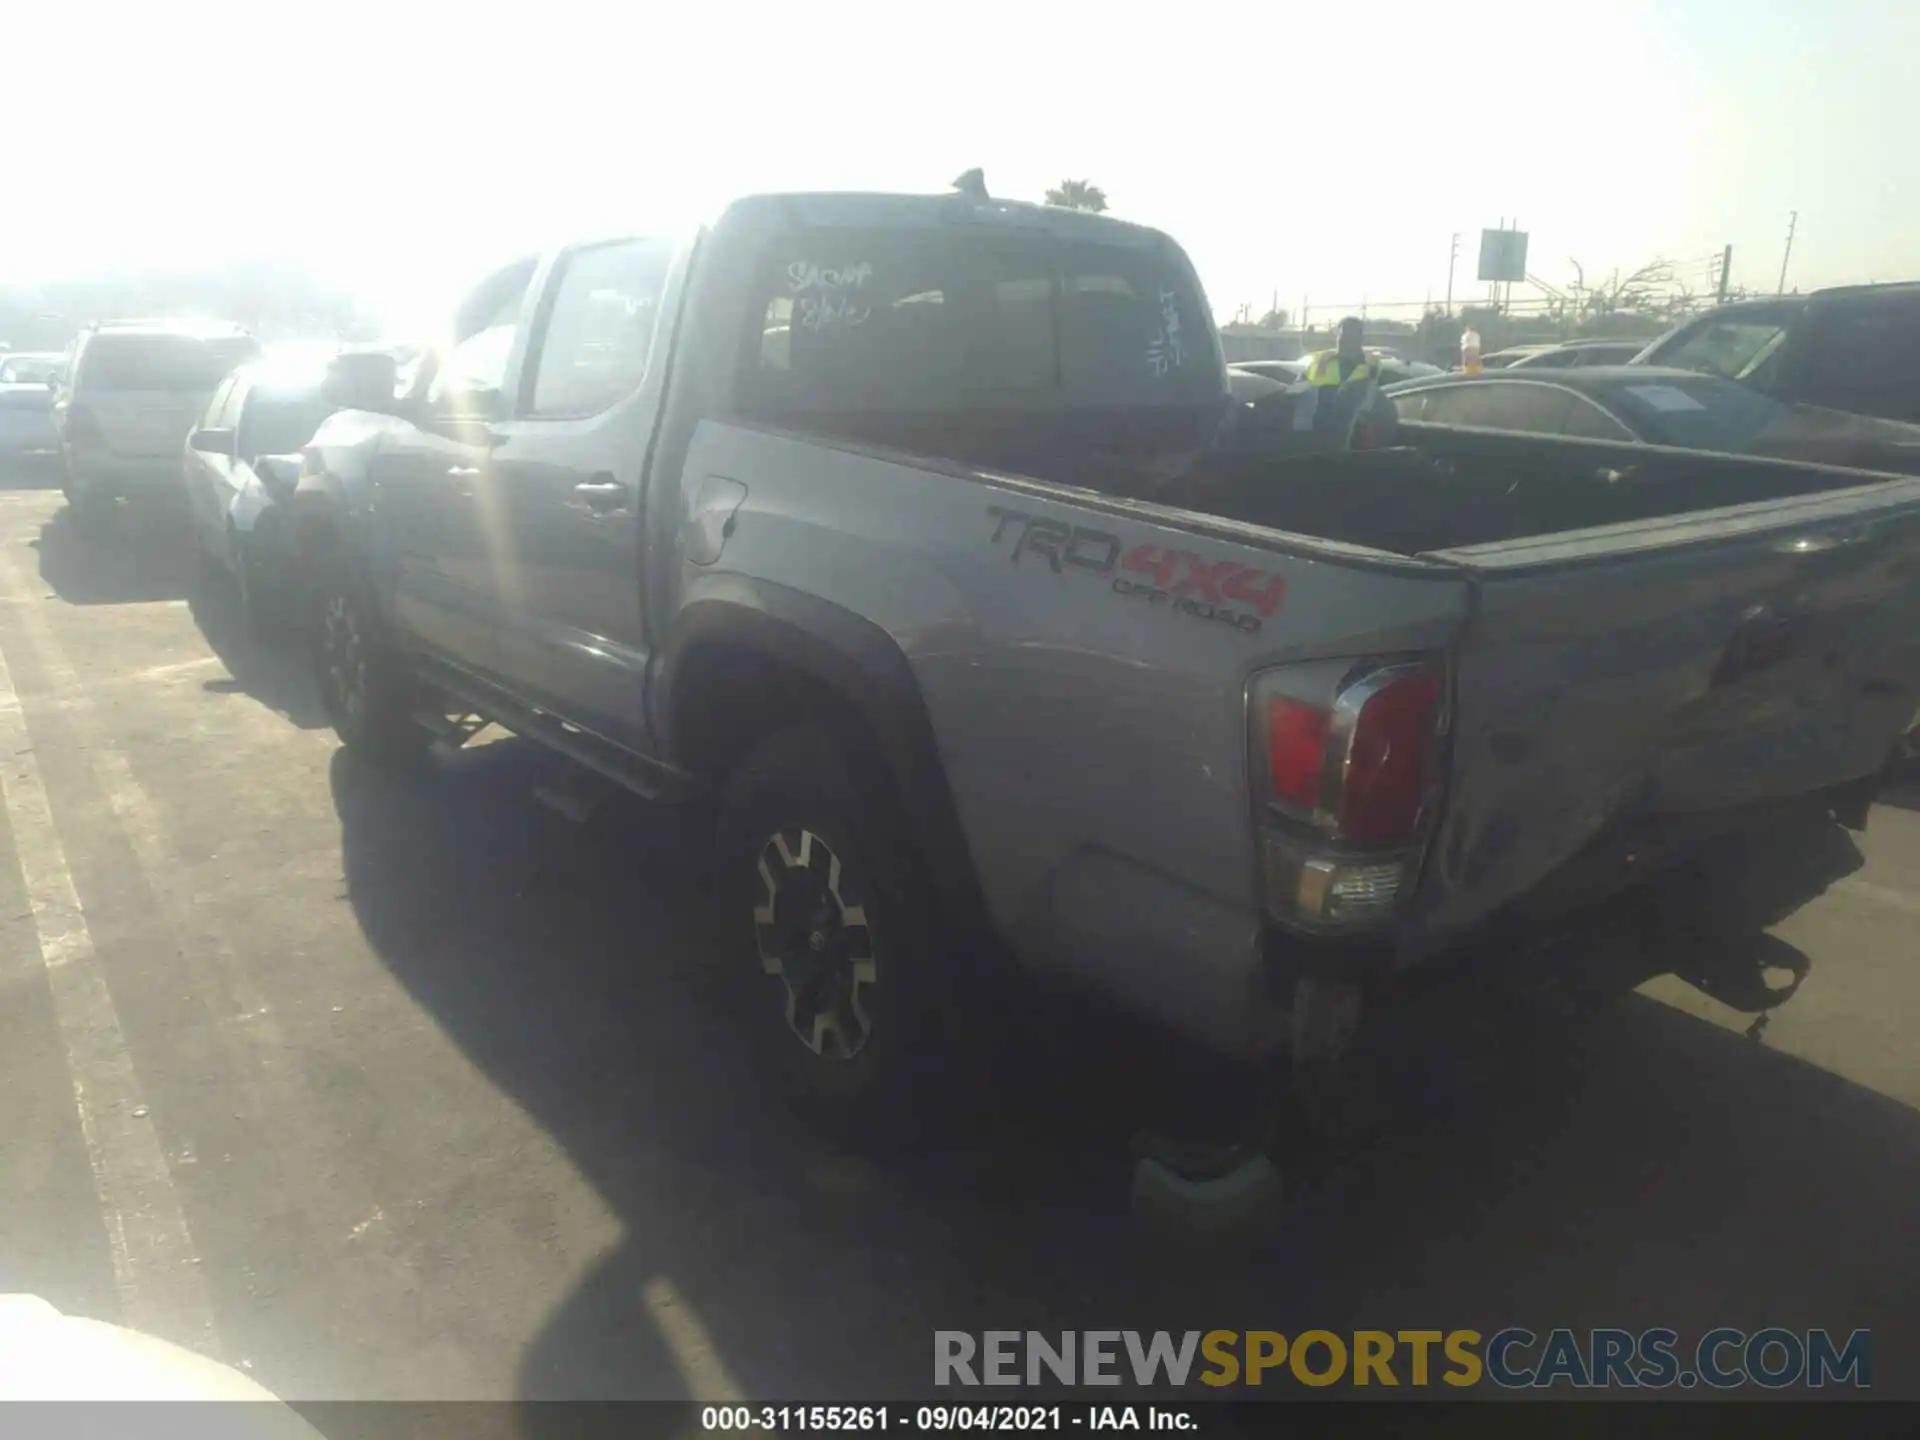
(276, 670)
(1557, 1155)
(1904, 791)
(130, 555)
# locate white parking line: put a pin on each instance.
(154, 1264)
(1880, 894)
(694, 1354)
(245, 1019)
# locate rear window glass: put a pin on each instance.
(1698, 415)
(280, 423)
(849, 321)
(179, 364)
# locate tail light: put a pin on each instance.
(1347, 765)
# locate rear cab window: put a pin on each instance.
(848, 321)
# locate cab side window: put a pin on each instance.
(599, 328)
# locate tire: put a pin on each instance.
(364, 684)
(265, 608)
(209, 580)
(828, 942)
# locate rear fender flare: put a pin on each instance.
(847, 655)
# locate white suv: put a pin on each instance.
(131, 398)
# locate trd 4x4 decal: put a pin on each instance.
(1224, 591)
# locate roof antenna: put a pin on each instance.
(973, 185)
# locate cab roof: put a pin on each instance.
(186, 329)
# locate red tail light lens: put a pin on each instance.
(1357, 766)
(1296, 750)
(1347, 759)
(1386, 771)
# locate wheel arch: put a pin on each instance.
(748, 654)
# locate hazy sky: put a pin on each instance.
(1326, 151)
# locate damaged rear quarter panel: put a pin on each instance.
(1084, 664)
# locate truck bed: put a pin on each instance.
(1446, 489)
(1634, 634)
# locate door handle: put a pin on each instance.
(601, 495)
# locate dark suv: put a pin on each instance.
(1856, 348)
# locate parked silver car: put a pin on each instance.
(28, 380)
(135, 391)
(241, 462)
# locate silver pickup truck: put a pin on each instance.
(921, 533)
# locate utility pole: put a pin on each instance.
(1507, 300)
(1726, 271)
(1452, 259)
(1793, 220)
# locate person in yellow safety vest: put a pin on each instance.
(1340, 389)
(1349, 359)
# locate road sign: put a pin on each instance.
(1503, 255)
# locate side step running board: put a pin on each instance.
(453, 731)
(649, 779)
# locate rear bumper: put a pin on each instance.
(1218, 973)
(1743, 869)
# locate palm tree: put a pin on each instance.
(1078, 195)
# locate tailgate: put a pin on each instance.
(144, 422)
(1670, 669)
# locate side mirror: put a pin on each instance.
(212, 442)
(362, 381)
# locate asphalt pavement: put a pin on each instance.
(407, 1087)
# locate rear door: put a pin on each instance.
(563, 479)
(1673, 668)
